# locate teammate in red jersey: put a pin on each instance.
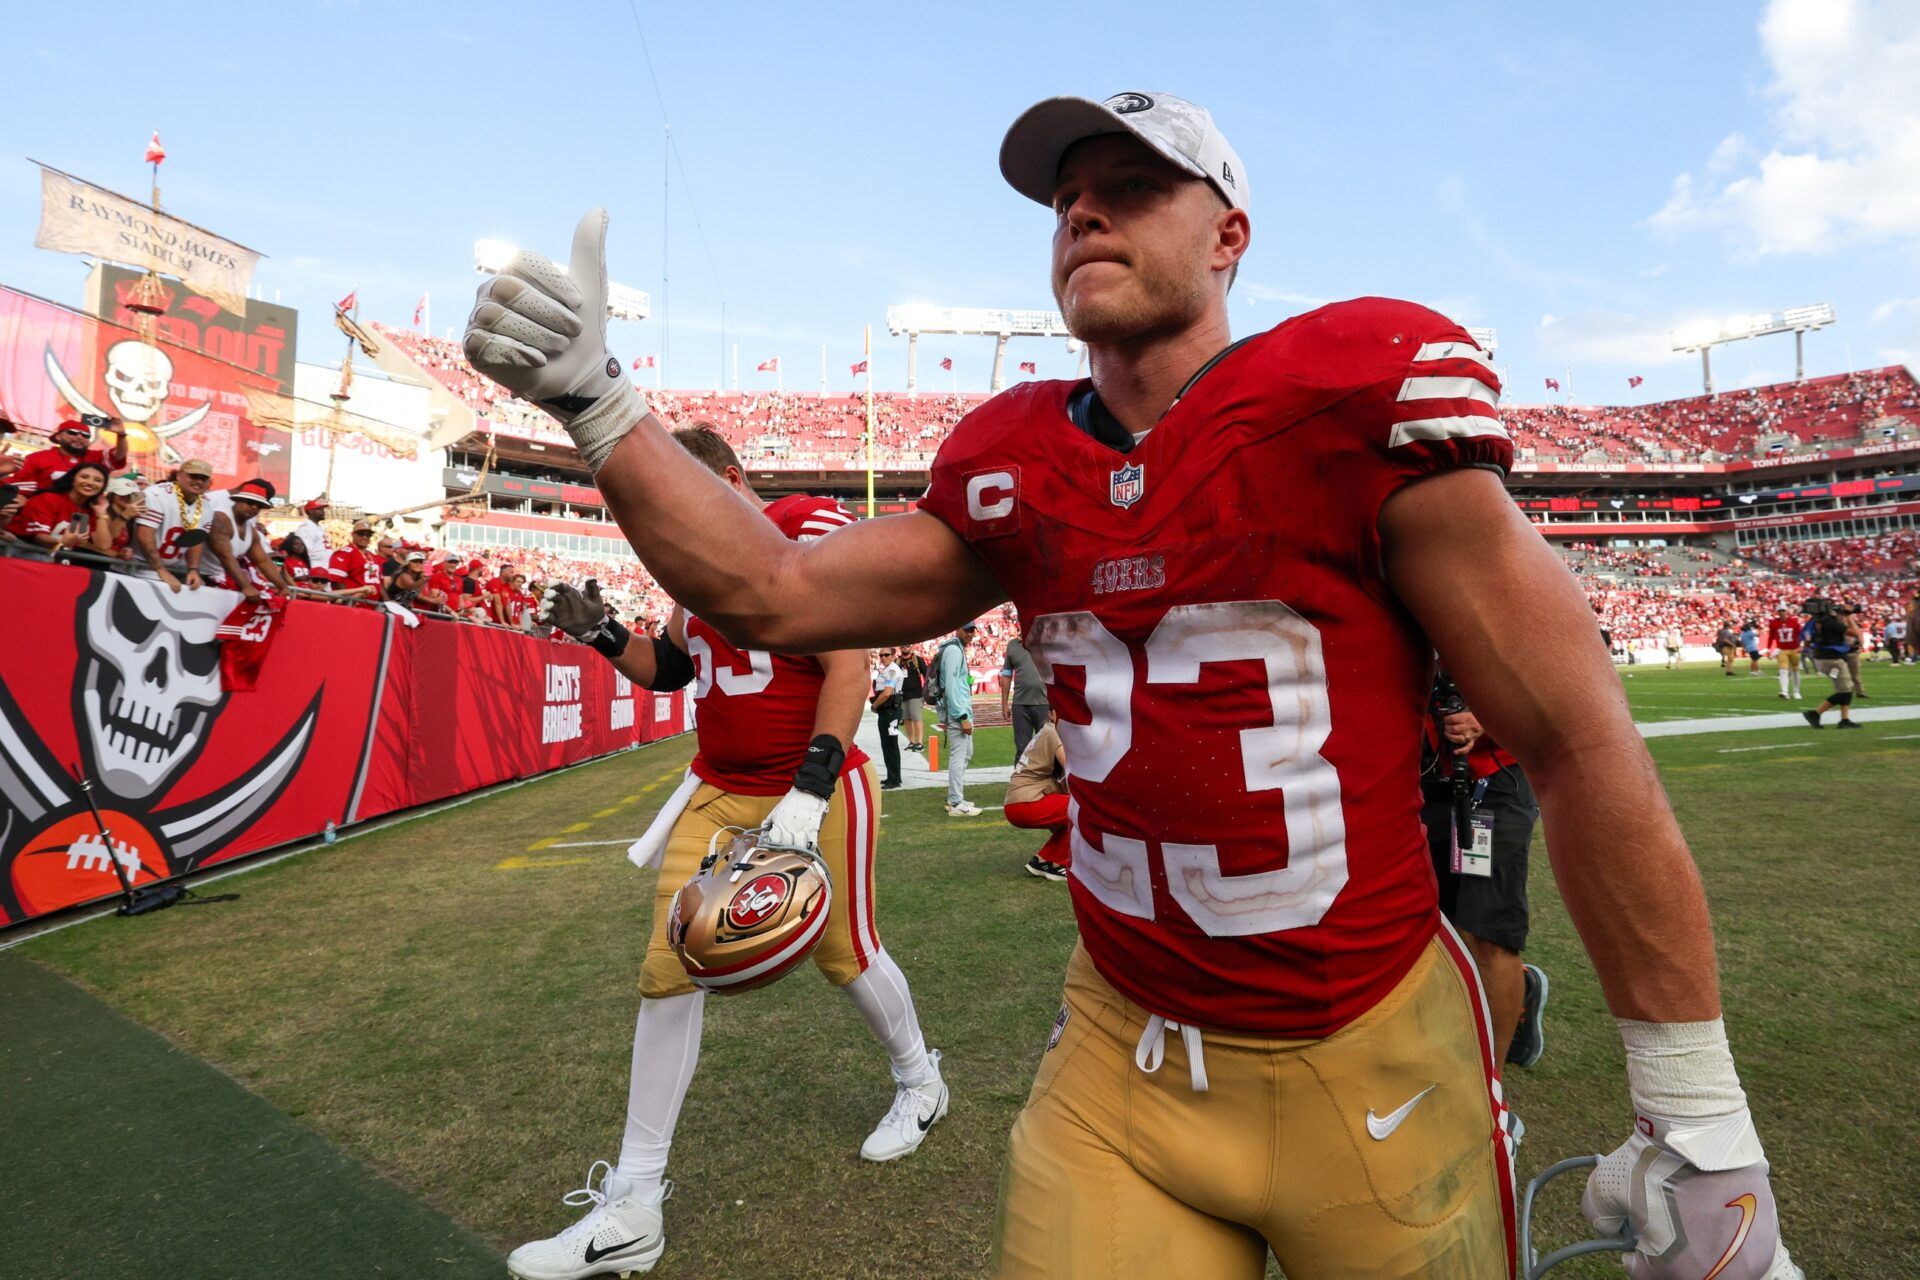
(776, 752)
(1235, 555)
(1783, 637)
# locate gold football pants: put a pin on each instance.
(1377, 1153)
(847, 838)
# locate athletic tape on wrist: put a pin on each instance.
(1687, 1093)
(597, 430)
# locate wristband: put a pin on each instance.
(821, 773)
(609, 639)
(1686, 1093)
(598, 428)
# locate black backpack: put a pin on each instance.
(936, 691)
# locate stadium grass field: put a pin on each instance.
(444, 1009)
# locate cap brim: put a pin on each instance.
(1031, 152)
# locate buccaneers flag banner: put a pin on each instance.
(173, 402)
(351, 715)
(78, 217)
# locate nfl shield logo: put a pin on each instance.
(1128, 486)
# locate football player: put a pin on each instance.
(774, 752)
(1235, 559)
(1783, 637)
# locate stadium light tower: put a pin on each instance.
(492, 256)
(987, 322)
(1795, 320)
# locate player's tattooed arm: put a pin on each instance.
(1518, 635)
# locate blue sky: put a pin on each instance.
(1581, 179)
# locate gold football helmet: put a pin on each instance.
(750, 914)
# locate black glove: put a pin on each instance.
(582, 615)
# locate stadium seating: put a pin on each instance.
(806, 431)
(1735, 423)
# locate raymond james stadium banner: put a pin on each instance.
(175, 403)
(354, 714)
(78, 217)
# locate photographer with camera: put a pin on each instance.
(1836, 634)
(1480, 813)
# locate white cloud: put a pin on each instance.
(1608, 337)
(1893, 307)
(1845, 164)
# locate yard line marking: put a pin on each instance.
(1778, 746)
(538, 845)
(578, 826)
(520, 862)
(608, 812)
(591, 844)
(1899, 737)
(1776, 720)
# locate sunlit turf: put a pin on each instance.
(465, 1028)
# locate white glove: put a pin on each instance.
(1692, 1180)
(540, 331)
(1689, 1222)
(795, 821)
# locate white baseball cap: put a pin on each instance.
(1175, 128)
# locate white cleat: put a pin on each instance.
(915, 1109)
(620, 1236)
(965, 809)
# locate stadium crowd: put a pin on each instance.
(77, 496)
(1731, 424)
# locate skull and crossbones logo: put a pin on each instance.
(138, 379)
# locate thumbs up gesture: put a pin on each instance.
(540, 330)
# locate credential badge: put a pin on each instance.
(1128, 485)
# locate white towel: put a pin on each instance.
(650, 848)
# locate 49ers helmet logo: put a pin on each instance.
(757, 901)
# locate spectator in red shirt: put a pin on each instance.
(59, 517)
(355, 569)
(295, 562)
(71, 441)
(443, 586)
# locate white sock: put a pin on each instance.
(881, 996)
(1784, 673)
(666, 1047)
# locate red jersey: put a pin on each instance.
(40, 470)
(1783, 633)
(756, 709)
(448, 585)
(350, 567)
(47, 513)
(1240, 695)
